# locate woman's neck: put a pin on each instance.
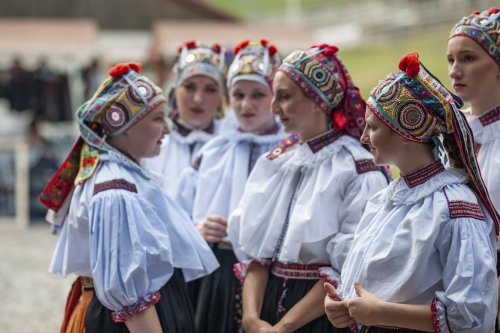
(192, 127)
(416, 158)
(478, 108)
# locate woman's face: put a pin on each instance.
(144, 138)
(296, 111)
(385, 144)
(198, 98)
(251, 102)
(474, 75)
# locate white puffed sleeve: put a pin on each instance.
(130, 252)
(468, 301)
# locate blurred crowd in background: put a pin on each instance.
(41, 88)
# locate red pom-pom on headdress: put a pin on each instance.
(264, 42)
(476, 12)
(493, 10)
(410, 64)
(328, 50)
(240, 46)
(272, 50)
(123, 68)
(216, 48)
(191, 44)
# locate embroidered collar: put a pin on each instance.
(424, 174)
(321, 141)
(398, 192)
(491, 116)
(184, 130)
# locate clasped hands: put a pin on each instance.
(365, 309)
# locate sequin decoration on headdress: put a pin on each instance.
(198, 59)
(122, 100)
(323, 78)
(484, 29)
(414, 104)
(255, 61)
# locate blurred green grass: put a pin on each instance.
(370, 64)
(252, 8)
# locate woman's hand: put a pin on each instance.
(336, 311)
(213, 229)
(366, 308)
(256, 325)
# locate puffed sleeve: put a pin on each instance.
(356, 195)
(468, 301)
(186, 190)
(130, 252)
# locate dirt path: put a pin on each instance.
(31, 299)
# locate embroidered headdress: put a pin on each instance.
(198, 59)
(484, 29)
(255, 61)
(322, 76)
(122, 100)
(414, 104)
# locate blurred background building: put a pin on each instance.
(54, 54)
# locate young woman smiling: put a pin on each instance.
(303, 199)
(128, 242)
(196, 95)
(212, 188)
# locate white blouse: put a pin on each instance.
(428, 243)
(486, 130)
(177, 153)
(128, 235)
(215, 183)
(308, 199)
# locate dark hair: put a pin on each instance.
(454, 158)
(452, 150)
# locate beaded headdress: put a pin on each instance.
(414, 104)
(323, 78)
(484, 29)
(198, 59)
(255, 61)
(121, 101)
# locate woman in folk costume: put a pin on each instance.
(212, 188)
(423, 256)
(125, 238)
(303, 199)
(195, 99)
(474, 69)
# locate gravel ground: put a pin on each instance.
(31, 299)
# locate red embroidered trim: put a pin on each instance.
(354, 328)
(367, 165)
(435, 317)
(240, 269)
(296, 271)
(424, 174)
(491, 116)
(128, 311)
(282, 146)
(61, 184)
(119, 184)
(184, 131)
(319, 143)
(328, 278)
(460, 208)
